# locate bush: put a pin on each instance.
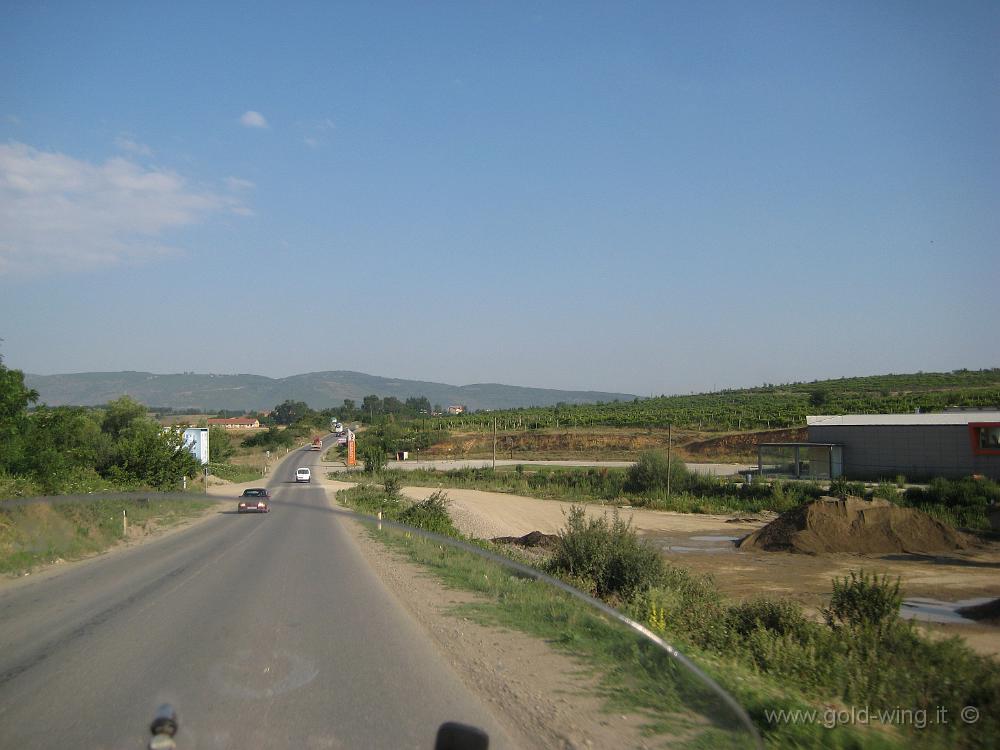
(374, 459)
(220, 445)
(650, 472)
(393, 487)
(864, 602)
(271, 439)
(842, 488)
(430, 515)
(778, 617)
(886, 491)
(955, 492)
(608, 556)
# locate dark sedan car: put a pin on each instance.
(254, 500)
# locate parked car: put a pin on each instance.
(303, 475)
(254, 500)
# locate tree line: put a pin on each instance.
(76, 449)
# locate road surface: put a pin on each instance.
(263, 630)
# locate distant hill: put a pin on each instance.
(318, 389)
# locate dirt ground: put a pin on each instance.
(704, 544)
(603, 443)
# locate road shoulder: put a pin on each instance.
(543, 697)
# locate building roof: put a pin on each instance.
(938, 418)
(232, 420)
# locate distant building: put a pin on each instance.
(457, 409)
(882, 446)
(235, 423)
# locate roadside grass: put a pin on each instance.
(236, 473)
(627, 672)
(767, 654)
(36, 533)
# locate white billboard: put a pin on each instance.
(196, 441)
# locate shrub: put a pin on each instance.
(392, 486)
(778, 617)
(609, 555)
(271, 439)
(955, 492)
(886, 491)
(864, 602)
(220, 445)
(430, 515)
(374, 459)
(842, 488)
(650, 472)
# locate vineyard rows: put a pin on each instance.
(765, 407)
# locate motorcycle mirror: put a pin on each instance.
(454, 736)
(165, 721)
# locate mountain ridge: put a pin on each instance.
(247, 391)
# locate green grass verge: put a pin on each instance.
(36, 533)
(628, 673)
(235, 472)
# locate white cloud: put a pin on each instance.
(127, 143)
(58, 213)
(253, 119)
(236, 184)
(310, 142)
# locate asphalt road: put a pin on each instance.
(263, 630)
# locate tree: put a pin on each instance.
(122, 414)
(418, 405)
(58, 442)
(819, 397)
(370, 406)
(392, 405)
(220, 445)
(290, 412)
(14, 400)
(146, 454)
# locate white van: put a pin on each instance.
(303, 475)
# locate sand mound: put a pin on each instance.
(531, 539)
(988, 612)
(854, 525)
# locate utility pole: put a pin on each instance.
(494, 443)
(669, 442)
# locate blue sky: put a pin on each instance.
(646, 197)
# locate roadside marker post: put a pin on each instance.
(124, 522)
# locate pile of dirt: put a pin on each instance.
(743, 443)
(988, 612)
(531, 539)
(854, 525)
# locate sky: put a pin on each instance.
(640, 197)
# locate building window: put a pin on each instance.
(985, 438)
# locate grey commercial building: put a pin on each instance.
(917, 446)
